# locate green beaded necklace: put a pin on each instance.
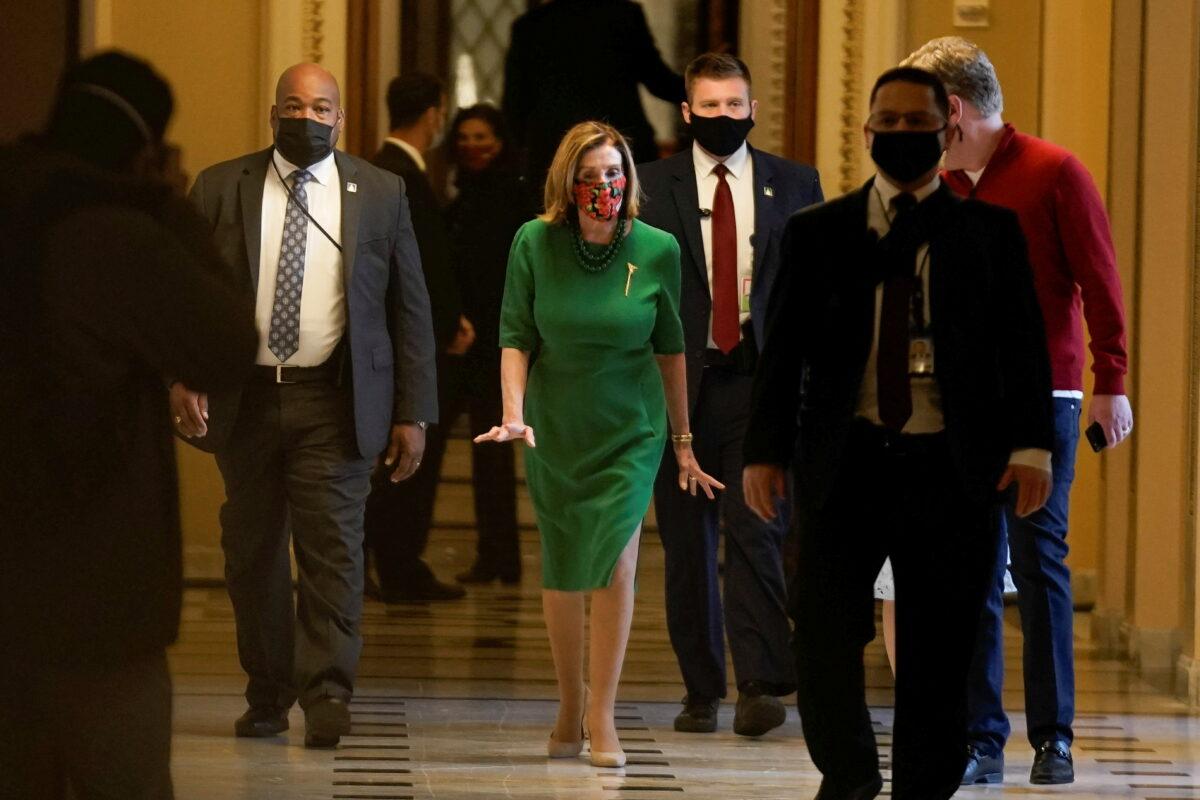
(597, 262)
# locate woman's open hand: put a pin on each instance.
(691, 477)
(509, 432)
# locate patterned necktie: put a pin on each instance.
(891, 365)
(284, 336)
(724, 265)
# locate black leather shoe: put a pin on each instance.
(699, 715)
(485, 573)
(429, 590)
(982, 768)
(757, 711)
(261, 721)
(1052, 763)
(866, 791)
(326, 722)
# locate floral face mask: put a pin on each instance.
(600, 200)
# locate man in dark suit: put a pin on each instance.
(905, 353)
(727, 203)
(399, 515)
(574, 60)
(323, 243)
(108, 282)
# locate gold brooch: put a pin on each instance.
(629, 279)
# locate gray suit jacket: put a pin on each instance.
(389, 335)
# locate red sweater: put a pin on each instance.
(1070, 248)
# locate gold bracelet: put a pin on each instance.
(681, 438)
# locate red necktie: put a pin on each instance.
(725, 311)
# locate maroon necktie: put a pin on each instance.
(891, 366)
(724, 265)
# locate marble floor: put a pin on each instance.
(455, 701)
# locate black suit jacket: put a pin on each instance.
(575, 60)
(429, 226)
(992, 366)
(388, 330)
(105, 286)
(781, 187)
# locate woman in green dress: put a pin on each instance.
(592, 294)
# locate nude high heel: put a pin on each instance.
(557, 749)
(599, 758)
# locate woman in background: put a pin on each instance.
(491, 204)
(595, 293)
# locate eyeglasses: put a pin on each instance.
(912, 121)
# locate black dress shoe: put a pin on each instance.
(326, 722)
(865, 791)
(699, 715)
(1052, 763)
(485, 573)
(982, 768)
(429, 590)
(261, 721)
(757, 711)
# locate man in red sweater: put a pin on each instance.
(1075, 272)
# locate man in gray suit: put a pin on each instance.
(345, 368)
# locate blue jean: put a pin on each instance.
(1038, 548)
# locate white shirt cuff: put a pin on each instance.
(1031, 457)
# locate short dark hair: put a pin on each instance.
(410, 96)
(109, 108)
(715, 66)
(489, 114)
(918, 76)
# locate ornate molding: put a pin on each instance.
(312, 31)
(849, 135)
(775, 34)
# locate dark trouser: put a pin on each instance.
(104, 733)
(292, 463)
(1038, 547)
(755, 608)
(400, 515)
(897, 496)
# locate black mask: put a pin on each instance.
(906, 155)
(303, 141)
(721, 135)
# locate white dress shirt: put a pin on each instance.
(323, 296)
(741, 185)
(927, 416)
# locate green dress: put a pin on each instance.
(595, 395)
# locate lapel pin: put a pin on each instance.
(351, 187)
(629, 278)
(768, 191)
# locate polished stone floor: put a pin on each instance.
(455, 701)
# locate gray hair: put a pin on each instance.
(964, 69)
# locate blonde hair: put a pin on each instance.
(560, 181)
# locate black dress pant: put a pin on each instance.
(897, 496)
(400, 515)
(101, 732)
(292, 466)
(754, 612)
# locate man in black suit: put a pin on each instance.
(108, 282)
(727, 203)
(344, 369)
(905, 354)
(399, 515)
(574, 60)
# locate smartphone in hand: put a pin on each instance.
(1095, 436)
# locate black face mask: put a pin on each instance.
(303, 141)
(722, 135)
(906, 155)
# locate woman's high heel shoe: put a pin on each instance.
(557, 749)
(602, 759)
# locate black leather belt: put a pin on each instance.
(283, 374)
(740, 359)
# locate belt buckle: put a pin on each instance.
(279, 375)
